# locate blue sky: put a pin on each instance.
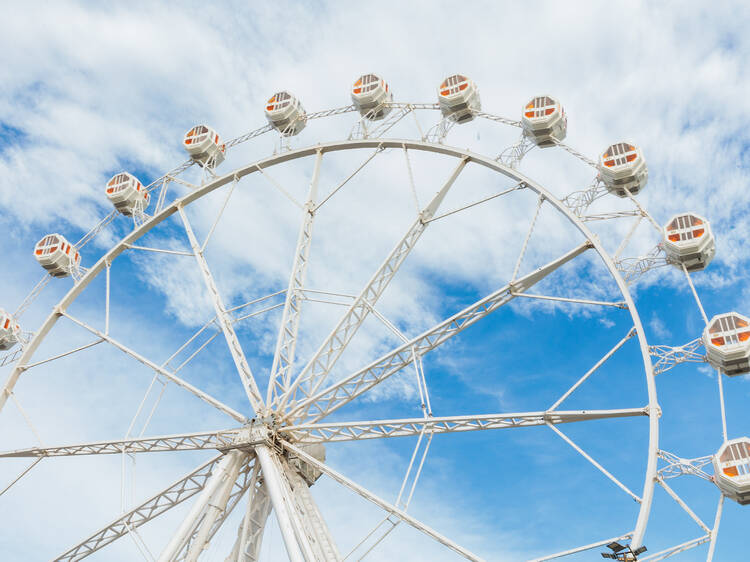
(90, 90)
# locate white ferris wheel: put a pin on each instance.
(273, 448)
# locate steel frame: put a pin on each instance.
(251, 457)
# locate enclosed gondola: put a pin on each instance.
(544, 121)
(458, 98)
(58, 256)
(204, 146)
(727, 341)
(127, 194)
(286, 114)
(370, 94)
(623, 167)
(732, 470)
(9, 330)
(688, 241)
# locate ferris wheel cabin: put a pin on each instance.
(127, 194)
(204, 146)
(543, 120)
(286, 114)
(727, 341)
(732, 470)
(9, 330)
(688, 241)
(622, 167)
(369, 93)
(458, 98)
(58, 256)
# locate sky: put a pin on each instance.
(89, 90)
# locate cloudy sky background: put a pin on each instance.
(88, 91)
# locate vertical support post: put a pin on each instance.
(281, 506)
(215, 507)
(283, 358)
(185, 531)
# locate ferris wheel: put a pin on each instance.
(273, 449)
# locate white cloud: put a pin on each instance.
(95, 89)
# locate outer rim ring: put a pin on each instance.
(654, 411)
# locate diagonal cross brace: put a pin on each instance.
(346, 390)
(316, 371)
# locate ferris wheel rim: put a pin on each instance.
(175, 206)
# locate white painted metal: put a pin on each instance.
(250, 533)
(348, 388)
(381, 503)
(295, 529)
(283, 358)
(317, 369)
(352, 431)
(173, 495)
(225, 322)
(138, 357)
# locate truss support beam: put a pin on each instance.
(225, 321)
(216, 507)
(161, 370)
(317, 369)
(282, 504)
(356, 431)
(313, 525)
(250, 532)
(346, 390)
(186, 442)
(392, 509)
(223, 475)
(283, 358)
(175, 494)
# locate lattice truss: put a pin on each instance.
(274, 451)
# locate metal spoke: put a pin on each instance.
(598, 364)
(682, 547)
(225, 322)
(540, 201)
(315, 372)
(283, 358)
(589, 458)
(23, 473)
(392, 509)
(64, 354)
(222, 440)
(359, 382)
(715, 530)
(158, 250)
(355, 431)
(335, 190)
(582, 548)
(619, 304)
(173, 495)
(683, 505)
(162, 371)
(520, 185)
(278, 186)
